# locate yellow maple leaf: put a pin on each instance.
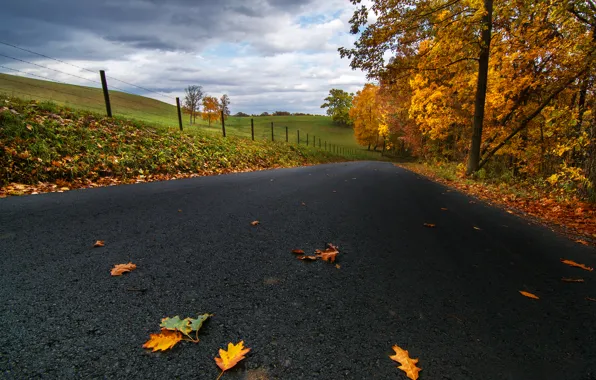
(121, 268)
(408, 365)
(165, 340)
(231, 357)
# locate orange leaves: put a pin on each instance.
(577, 265)
(119, 269)
(232, 356)
(408, 365)
(254, 223)
(583, 242)
(529, 295)
(99, 243)
(165, 340)
(429, 225)
(328, 254)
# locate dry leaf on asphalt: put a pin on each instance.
(408, 365)
(231, 357)
(444, 208)
(99, 243)
(186, 325)
(306, 258)
(122, 268)
(582, 242)
(577, 265)
(429, 225)
(298, 251)
(165, 340)
(337, 266)
(591, 299)
(329, 254)
(477, 228)
(254, 223)
(564, 279)
(529, 295)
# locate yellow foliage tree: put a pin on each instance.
(211, 109)
(367, 115)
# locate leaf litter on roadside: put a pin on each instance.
(174, 329)
(119, 269)
(99, 243)
(408, 365)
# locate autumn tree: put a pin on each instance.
(211, 109)
(225, 104)
(338, 105)
(192, 101)
(367, 116)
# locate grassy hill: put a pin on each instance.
(164, 115)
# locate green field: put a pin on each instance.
(164, 115)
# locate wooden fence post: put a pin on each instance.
(223, 123)
(298, 136)
(179, 114)
(252, 129)
(106, 94)
(307, 139)
(272, 138)
(286, 134)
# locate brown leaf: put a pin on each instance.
(591, 299)
(444, 208)
(429, 225)
(582, 242)
(477, 228)
(565, 279)
(306, 258)
(119, 269)
(165, 340)
(529, 295)
(303, 204)
(329, 254)
(574, 264)
(408, 365)
(254, 223)
(337, 266)
(232, 356)
(99, 243)
(298, 251)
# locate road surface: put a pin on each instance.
(449, 294)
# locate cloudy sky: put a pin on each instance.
(267, 55)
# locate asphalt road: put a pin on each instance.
(449, 295)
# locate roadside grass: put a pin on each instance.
(164, 115)
(47, 147)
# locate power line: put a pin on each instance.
(83, 68)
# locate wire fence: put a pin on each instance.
(82, 90)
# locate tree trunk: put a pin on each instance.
(474, 157)
(190, 121)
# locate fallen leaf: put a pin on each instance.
(329, 254)
(254, 223)
(591, 299)
(337, 266)
(232, 356)
(408, 365)
(529, 295)
(444, 208)
(303, 204)
(196, 324)
(429, 225)
(179, 210)
(99, 243)
(509, 211)
(334, 191)
(306, 258)
(298, 251)
(165, 340)
(574, 264)
(122, 268)
(477, 228)
(564, 279)
(582, 242)
(175, 323)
